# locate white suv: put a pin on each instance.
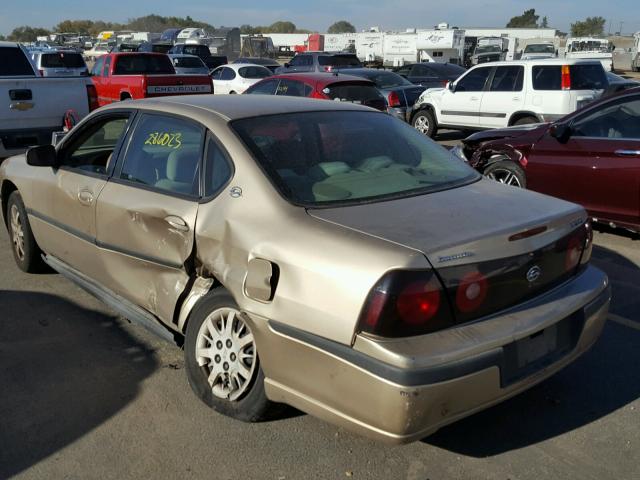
(502, 94)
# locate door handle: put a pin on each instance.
(628, 153)
(516, 99)
(473, 99)
(177, 223)
(85, 197)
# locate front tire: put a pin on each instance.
(526, 121)
(222, 362)
(425, 123)
(507, 172)
(26, 252)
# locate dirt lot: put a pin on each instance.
(86, 395)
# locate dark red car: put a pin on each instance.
(591, 157)
(326, 86)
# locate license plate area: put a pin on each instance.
(531, 354)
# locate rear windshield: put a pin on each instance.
(339, 60)
(384, 79)
(254, 72)
(348, 157)
(13, 62)
(143, 64)
(352, 92)
(62, 60)
(450, 69)
(537, 48)
(188, 62)
(160, 48)
(583, 77)
(199, 50)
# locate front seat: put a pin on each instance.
(182, 171)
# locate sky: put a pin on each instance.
(318, 15)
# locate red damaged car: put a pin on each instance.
(324, 86)
(591, 157)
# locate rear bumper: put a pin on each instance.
(401, 390)
(402, 113)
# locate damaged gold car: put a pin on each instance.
(317, 254)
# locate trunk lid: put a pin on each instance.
(493, 246)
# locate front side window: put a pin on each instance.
(619, 120)
(217, 73)
(265, 87)
(91, 150)
(164, 153)
(348, 157)
(97, 68)
(474, 81)
(507, 79)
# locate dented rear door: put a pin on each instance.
(146, 213)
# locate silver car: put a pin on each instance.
(54, 63)
(188, 64)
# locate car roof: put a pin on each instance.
(237, 66)
(255, 60)
(233, 107)
(322, 78)
(541, 61)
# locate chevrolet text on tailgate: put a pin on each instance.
(135, 75)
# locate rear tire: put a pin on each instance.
(26, 252)
(222, 362)
(526, 121)
(425, 123)
(507, 172)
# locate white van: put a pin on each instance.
(501, 94)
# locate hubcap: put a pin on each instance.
(226, 352)
(422, 125)
(504, 176)
(17, 232)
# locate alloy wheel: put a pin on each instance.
(505, 176)
(226, 352)
(17, 232)
(422, 124)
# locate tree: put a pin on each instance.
(82, 27)
(282, 27)
(27, 34)
(544, 23)
(587, 27)
(342, 27)
(528, 19)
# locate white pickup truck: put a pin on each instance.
(33, 107)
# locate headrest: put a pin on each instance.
(182, 164)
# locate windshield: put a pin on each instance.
(540, 49)
(348, 157)
(384, 79)
(488, 49)
(188, 62)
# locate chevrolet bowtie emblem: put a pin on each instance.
(21, 106)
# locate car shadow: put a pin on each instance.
(600, 382)
(450, 135)
(64, 370)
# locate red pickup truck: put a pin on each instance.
(134, 75)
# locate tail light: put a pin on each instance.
(393, 99)
(318, 95)
(405, 303)
(92, 96)
(565, 81)
(579, 247)
(328, 68)
(41, 73)
(471, 292)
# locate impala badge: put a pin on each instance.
(534, 274)
(21, 106)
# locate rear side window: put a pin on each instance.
(339, 60)
(13, 62)
(143, 64)
(164, 153)
(583, 77)
(254, 72)
(62, 60)
(293, 88)
(474, 81)
(507, 79)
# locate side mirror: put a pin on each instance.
(286, 65)
(451, 86)
(560, 131)
(42, 156)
